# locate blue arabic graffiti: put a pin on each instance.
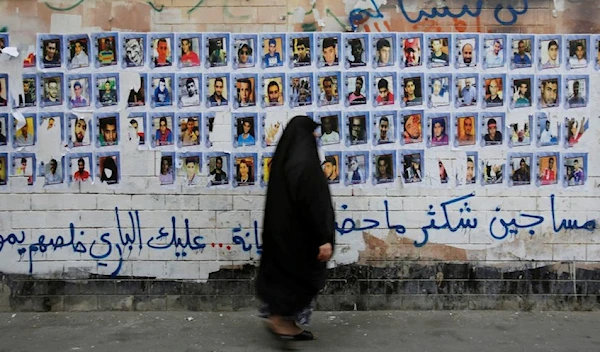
(466, 10)
(117, 247)
(357, 17)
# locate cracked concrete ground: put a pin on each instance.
(374, 331)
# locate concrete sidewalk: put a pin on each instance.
(375, 331)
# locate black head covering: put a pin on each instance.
(299, 218)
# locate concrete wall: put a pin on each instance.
(135, 245)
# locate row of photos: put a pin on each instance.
(190, 91)
(349, 168)
(359, 129)
(323, 49)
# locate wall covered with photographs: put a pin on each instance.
(434, 110)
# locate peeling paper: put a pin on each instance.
(20, 119)
(12, 64)
(298, 15)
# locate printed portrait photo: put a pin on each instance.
(520, 133)
(494, 52)
(189, 130)
(384, 168)
(51, 53)
(162, 52)
(219, 167)
(442, 172)
(109, 169)
(108, 132)
(162, 94)
(52, 171)
(412, 51)
(521, 51)
(521, 93)
(188, 56)
(385, 90)
(301, 55)
(3, 130)
(575, 171)
(134, 52)
(357, 85)
(244, 170)
(467, 53)
(23, 166)
(439, 131)
(273, 91)
(439, 52)
(81, 165)
(413, 132)
(547, 169)
(439, 92)
(357, 129)
(550, 53)
(28, 98)
(79, 92)
(52, 90)
(245, 91)
(466, 89)
(191, 170)
(301, 91)
(576, 93)
(412, 168)
(355, 52)
(492, 131)
(547, 131)
(78, 53)
(137, 93)
(272, 52)
(167, 170)
(189, 91)
(329, 46)
(493, 171)
(3, 92)
(106, 51)
(412, 91)
(520, 170)
(107, 91)
(493, 94)
(135, 128)
(385, 132)
(245, 52)
(384, 52)
(79, 132)
(471, 173)
(217, 91)
(246, 130)
(328, 90)
(217, 51)
(3, 170)
(578, 53)
(163, 134)
(329, 130)
(331, 168)
(356, 166)
(466, 130)
(25, 134)
(549, 96)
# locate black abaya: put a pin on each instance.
(298, 219)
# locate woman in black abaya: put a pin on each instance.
(298, 233)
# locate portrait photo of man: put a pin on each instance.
(493, 135)
(384, 168)
(547, 170)
(28, 97)
(189, 91)
(245, 53)
(549, 93)
(273, 94)
(466, 130)
(328, 87)
(188, 56)
(272, 52)
(82, 173)
(330, 51)
(412, 129)
(217, 52)
(576, 93)
(493, 92)
(357, 129)
(329, 130)
(52, 90)
(521, 93)
(439, 52)
(106, 51)
(467, 55)
(385, 129)
(246, 134)
(494, 52)
(356, 57)
(357, 96)
(550, 54)
(51, 57)
(134, 52)
(79, 96)
(578, 53)
(162, 55)
(217, 91)
(3, 92)
(245, 91)
(413, 95)
(521, 170)
(467, 91)
(164, 133)
(162, 93)
(80, 136)
(301, 90)
(244, 171)
(412, 168)
(331, 168)
(355, 166)
(218, 167)
(53, 173)
(25, 135)
(385, 89)
(189, 130)
(79, 53)
(521, 53)
(301, 52)
(412, 51)
(384, 52)
(108, 134)
(107, 91)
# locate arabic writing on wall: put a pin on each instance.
(116, 247)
